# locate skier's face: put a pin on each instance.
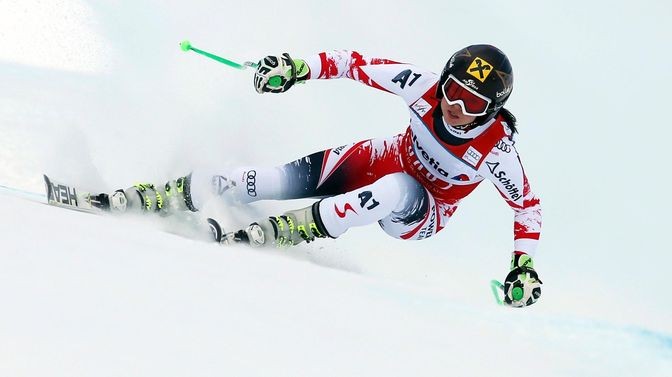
(453, 114)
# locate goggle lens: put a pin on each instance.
(472, 103)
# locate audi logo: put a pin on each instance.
(503, 146)
(251, 179)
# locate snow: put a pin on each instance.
(118, 102)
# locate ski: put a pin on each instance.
(216, 229)
(19, 193)
(70, 197)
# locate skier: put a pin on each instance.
(459, 135)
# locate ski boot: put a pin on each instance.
(288, 229)
(145, 197)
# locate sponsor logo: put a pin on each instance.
(492, 166)
(430, 160)
(480, 69)
(504, 92)
(421, 107)
(346, 208)
(251, 181)
(337, 151)
(472, 156)
(365, 197)
(470, 83)
(509, 186)
(64, 194)
(220, 184)
(271, 61)
(502, 146)
(428, 230)
(403, 76)
(461, 177)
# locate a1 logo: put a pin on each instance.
(365, 197)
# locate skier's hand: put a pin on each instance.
(276, 74)
(522, 286)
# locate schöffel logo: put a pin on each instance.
(509, 186)
(251, 179)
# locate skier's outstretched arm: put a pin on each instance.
(504, 169)
(405, 80)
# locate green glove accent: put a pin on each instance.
(275, 81)
(302, 70)
(522, 286)
(521, 260)
(517, 293)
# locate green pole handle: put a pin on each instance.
(185, 45)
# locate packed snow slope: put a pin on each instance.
(99, 93)
(85, 295)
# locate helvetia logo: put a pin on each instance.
(430, 160)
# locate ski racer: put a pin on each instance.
(411, 183)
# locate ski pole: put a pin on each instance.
(185, 45)
(496, 288)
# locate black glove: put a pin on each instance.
(276, 74)
(522, 286)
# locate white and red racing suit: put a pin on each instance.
(410, 183)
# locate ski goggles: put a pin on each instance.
(471, 102)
